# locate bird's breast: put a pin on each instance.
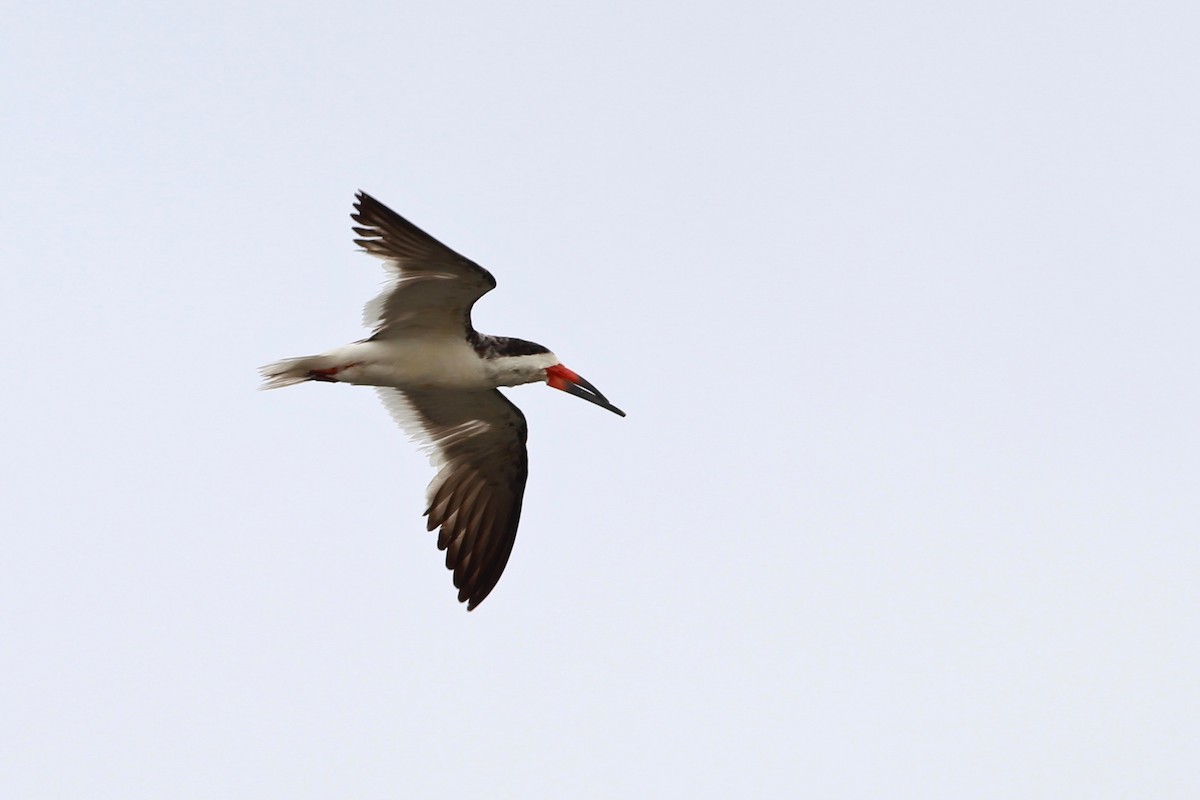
(429, 363)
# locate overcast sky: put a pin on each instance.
(901, 299)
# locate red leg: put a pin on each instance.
(329, 375)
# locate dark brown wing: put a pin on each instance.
(476, 439)
(431, 287)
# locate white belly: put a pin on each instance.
(416, 363)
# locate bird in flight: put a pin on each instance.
(438, 376)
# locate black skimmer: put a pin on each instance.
(438, 378)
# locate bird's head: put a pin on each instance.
(559, 377)
(515, 361)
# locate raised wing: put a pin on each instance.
(431, 287)
(477, 442)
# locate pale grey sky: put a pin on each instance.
(901, 300)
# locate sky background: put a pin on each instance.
(902, 302)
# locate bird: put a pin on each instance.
(439, 379)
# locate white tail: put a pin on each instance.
(291, 370)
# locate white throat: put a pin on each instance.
(516, 370)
